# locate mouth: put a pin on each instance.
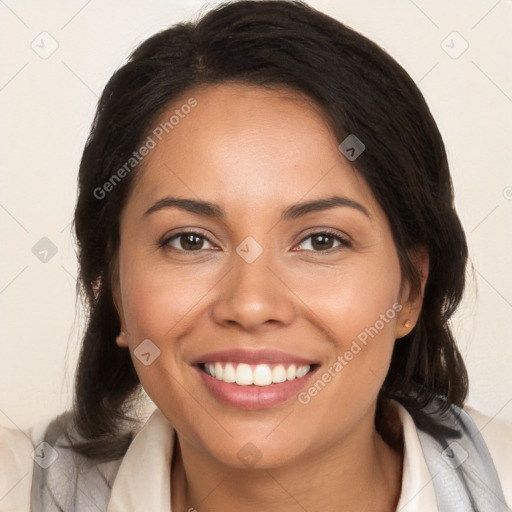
(254, 386)
(262, 374)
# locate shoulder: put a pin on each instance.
(16, 466)
(40, 470)
(468, 455)
(64, 479)
(497, 435)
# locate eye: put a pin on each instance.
(321, 241)
(192, 241)
(189, 241)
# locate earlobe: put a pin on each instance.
(403, 328)
(121, 340)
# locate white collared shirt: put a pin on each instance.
(141, 480)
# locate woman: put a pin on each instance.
(269, 249)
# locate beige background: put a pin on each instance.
(47, 104)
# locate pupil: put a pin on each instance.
(189, 244)
(321, 245)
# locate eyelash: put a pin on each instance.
(344, 242)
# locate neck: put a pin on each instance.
(362, 472)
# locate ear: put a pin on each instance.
(412, 299)
(118, 303)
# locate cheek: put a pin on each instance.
(160, 303)
(158, 299)
(352, 297)
(157, 304)
(357, 307)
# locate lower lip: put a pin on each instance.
(254, 397)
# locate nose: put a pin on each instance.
(254, 295)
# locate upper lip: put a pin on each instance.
(251, 356)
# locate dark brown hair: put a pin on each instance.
(363, 91)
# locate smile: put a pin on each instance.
(262, 374)
(252, 387)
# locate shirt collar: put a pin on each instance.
(143, 481)
(418, 494)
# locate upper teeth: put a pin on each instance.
(260, 375)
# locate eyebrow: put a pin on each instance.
(291, 212)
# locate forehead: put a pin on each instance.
(245, 145)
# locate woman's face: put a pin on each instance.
(260, 274)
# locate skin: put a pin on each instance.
(254, 152)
